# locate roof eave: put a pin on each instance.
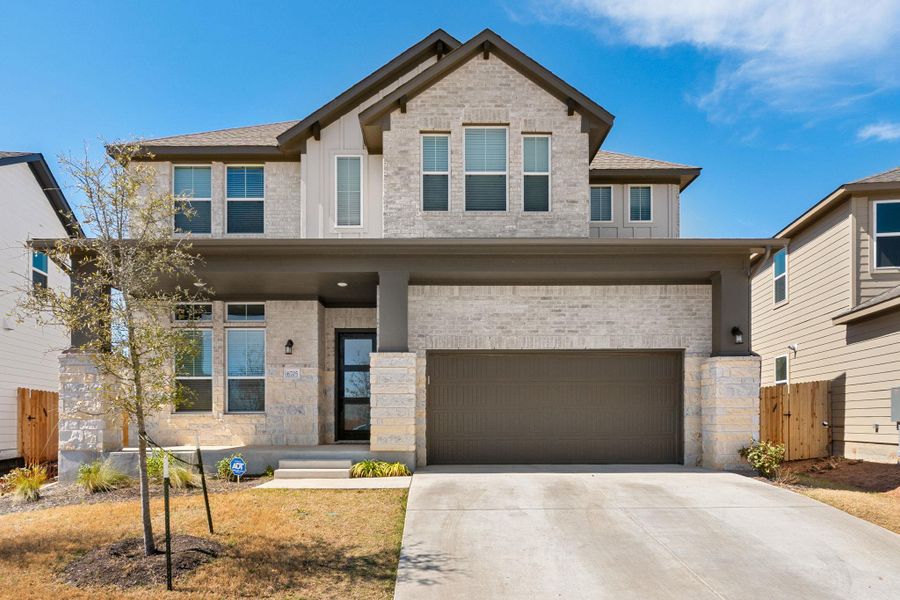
(859, 314)
(219, 153)
(682, 177)
(49, 186)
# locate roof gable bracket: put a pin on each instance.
(486, 50)
(440, 48)
(316, 131)
(401, 102)
(570, 106)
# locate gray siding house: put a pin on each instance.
(825, 308)
(443, 266)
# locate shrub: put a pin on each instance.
(378, 468)
(270, 471)
(179, 476)
(765, 457)
(100, 476)
(26, 482)
(155, 464)
(223, 467)
(182, 477)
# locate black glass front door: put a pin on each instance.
(352, 385)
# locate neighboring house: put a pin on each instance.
(826, 308)
(33, 207)
(443, 265)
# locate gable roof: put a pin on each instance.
(437, 43)
(254, 135)
(889, 176)
(614, 167)
(596, 120)
(872, 307)
(48, 184)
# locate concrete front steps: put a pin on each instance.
(314, 468)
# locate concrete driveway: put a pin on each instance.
(632, 532)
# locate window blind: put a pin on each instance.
(640, 203)
(601, 204)
(349, 191)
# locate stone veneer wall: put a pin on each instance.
(393, 380)
(730, 408)
(485, 92)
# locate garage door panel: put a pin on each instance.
(554, 407)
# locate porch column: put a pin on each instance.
(81, 267)
(730, 309)
(393, 312)
(393, 406)
(729, 409)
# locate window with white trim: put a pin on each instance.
(536, 173)
(781, 369)
(601, 204)
(39, 270)
(246, 369)
(435, 172)
(486, 168)
(640, 203)
(192, 188)
(348, 190)
(193, 311)
(779, 273)
(193, 372)
(253, 311)
(245, 190)
(887, 234)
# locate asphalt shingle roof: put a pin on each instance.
(889, 176)
(6, 154)
(617, 160)
(254, 135)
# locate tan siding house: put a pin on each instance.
(836, 321)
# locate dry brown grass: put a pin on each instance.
(881, 509)
(280, 543)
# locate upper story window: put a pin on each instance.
(245, 312)
(192, 187)
(348, 189)
(193, 372)
(185, 313)
(435, 172)
(640, 204)
(887, 234)
(779, 272)
(486, 168)
(781, 369)
(601, 203)
(39, 269)
(536, 173)
(245, 194)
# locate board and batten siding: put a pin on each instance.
(860, 366)
(665, 214)
(28, 353)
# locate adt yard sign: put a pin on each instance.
(238, 466)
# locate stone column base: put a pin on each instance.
(729, 399)
(393, 402)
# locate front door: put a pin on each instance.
(352, 384)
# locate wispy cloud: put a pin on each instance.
(882, 132)
(793, 56)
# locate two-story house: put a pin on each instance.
(825, 308)
(442, 266)
(33, 207)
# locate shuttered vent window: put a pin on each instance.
(435, 172)
(348, 174)
(245, 195)
(193, 372)
(246, 366)
(780, 274)
(639, 203)
(192, 187)
(887, 234)
(601, 203)
(536, 167)
(486, 168)
(39, 269)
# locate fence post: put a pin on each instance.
(168, 530)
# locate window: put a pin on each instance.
(39, 269)
(193, 372)
(348, 186)
(536, 173)
(640, 205)
(245, 191)
(435, 172)
(246, 350)
(779, 271)
(193, 199)
(781, 369)
(485, 168)
(193, 312)
(245, 312)
(601, 203)
(887, 234)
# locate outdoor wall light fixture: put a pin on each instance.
(342, 284)
(738, 335)
(289, 347)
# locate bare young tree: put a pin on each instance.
(128, 277)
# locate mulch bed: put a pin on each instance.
(62, 495)
(123, 563)
(865, 476)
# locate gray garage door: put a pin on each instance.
(554, 407)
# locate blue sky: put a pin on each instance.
(778, 102)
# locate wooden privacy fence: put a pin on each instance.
(38, 425)
(795, 415)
